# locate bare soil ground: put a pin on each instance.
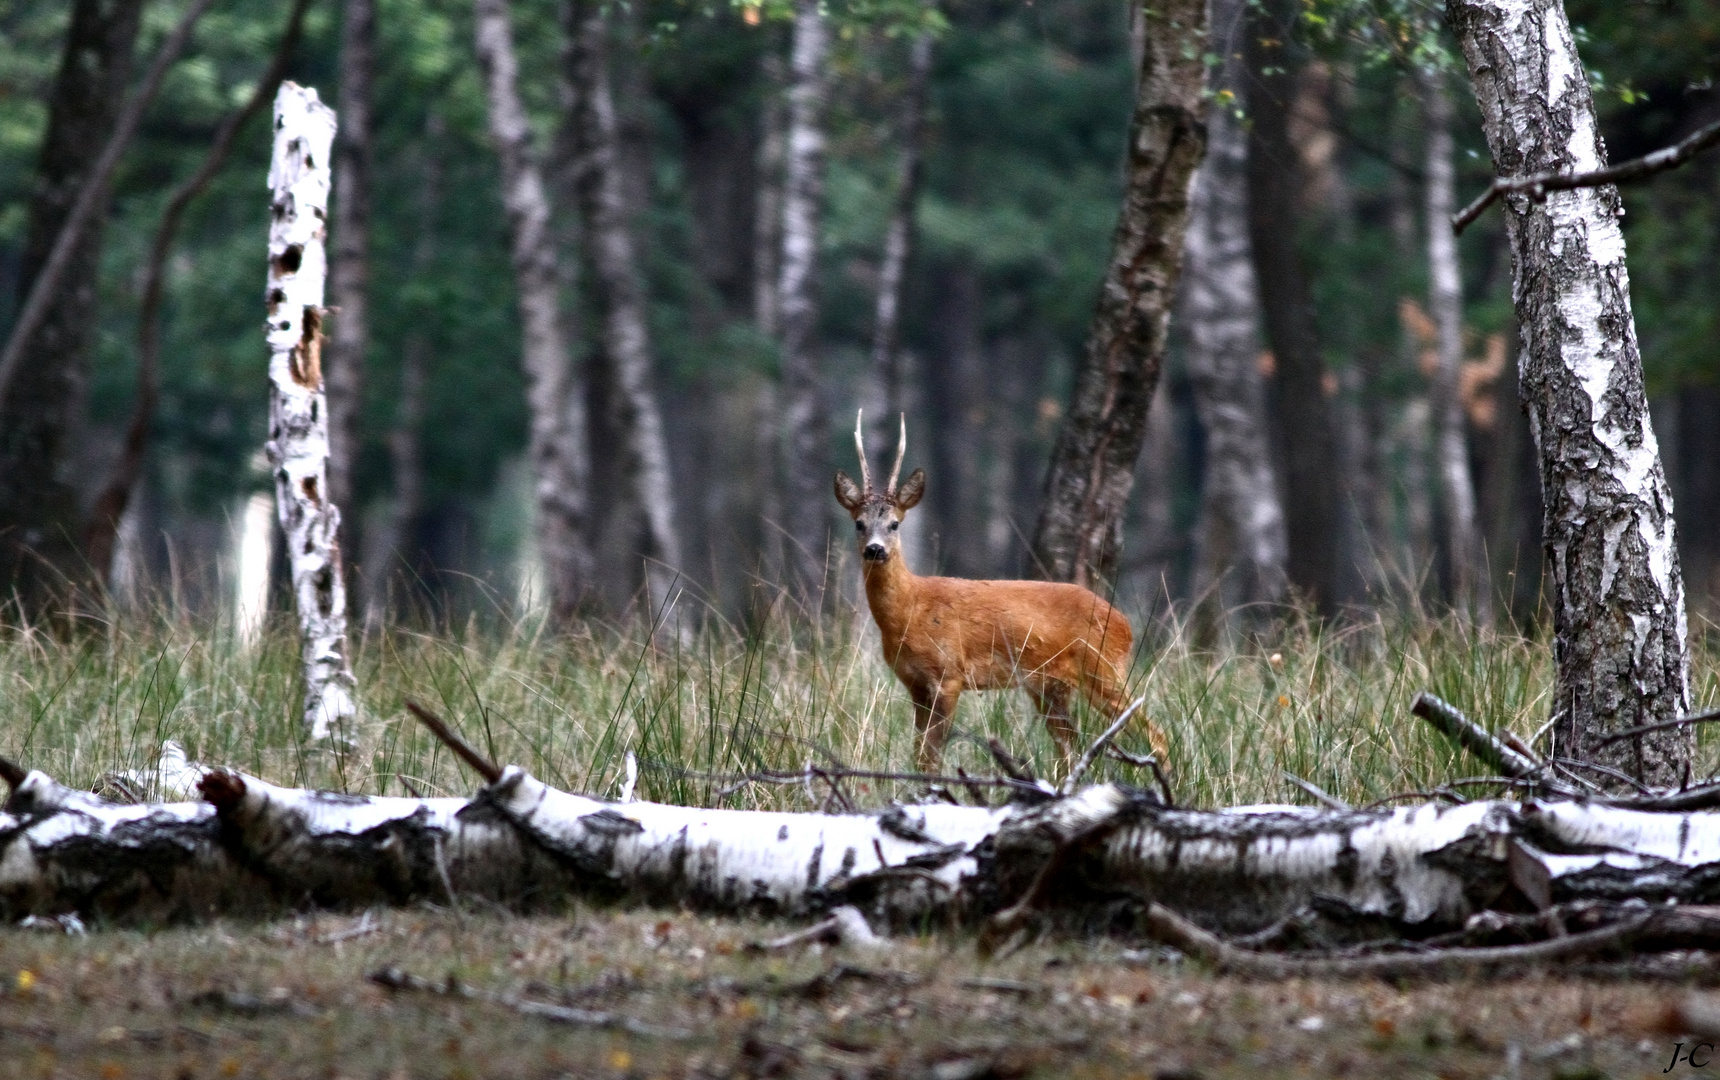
(292, 998)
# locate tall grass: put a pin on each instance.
(1328, 704)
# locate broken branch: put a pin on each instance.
(1472, 736)
(393, 978)
(1098, 747)
(1173, 929)
(1537, 186)
(464, 750)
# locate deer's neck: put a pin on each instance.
(890, 592)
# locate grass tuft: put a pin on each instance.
(1328, 704)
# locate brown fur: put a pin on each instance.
(943, 635)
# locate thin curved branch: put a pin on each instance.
(1537, 186)
(47, 284)
(103, 524)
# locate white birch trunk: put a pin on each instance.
(806, 508)
(1242, 521)
(1419, 869)
(1471, 591)
(621, 298)
(558, 450)
(298, 447)
(1618, 595)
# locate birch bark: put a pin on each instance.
(620, 296)
(805, 509)
(349, 272)
(1471, 590)
(1241, 519)
(298, 410)
(1093, 465)
(1618, 595)
(558, 450)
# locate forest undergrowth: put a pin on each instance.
(1328, 703)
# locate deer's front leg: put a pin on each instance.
(935, 729)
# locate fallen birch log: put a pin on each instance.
(1106, 856)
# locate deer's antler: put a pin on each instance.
(901, 451)
(860, 447)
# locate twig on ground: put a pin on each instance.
(1572, 763)
(1319, 793)
(12, 772)
(1471, 736)
(1173, 929)
(1145, 761)
(1644, 729)
(1098, 747)
(1537, 186)
(395, 979)
(462, 749)
(1011, 765)
(975, 791)
(367, 924)
(844, 926)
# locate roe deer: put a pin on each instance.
(944, 635)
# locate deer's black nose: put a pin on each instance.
(874, 550)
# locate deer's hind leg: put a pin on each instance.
(1052, 700)
(1109, 698)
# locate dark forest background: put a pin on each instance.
(1028, 112)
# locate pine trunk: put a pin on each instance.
(1471, 591)
(1093, 465)
(806, 506)
(349, 272)
(620, 298)
(1241, 531)
(40, 419)
(298, 409)
(558, 449)
(1618, 597)
(387, 546)
(1287, 304)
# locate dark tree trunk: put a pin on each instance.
(1093, 466)
(619, 295)
(767, 309)
(956, 403)
(349, 272)
(386, 545)
(101, 529)
(40, 519)
(1287, 304)
(807, 500)
(1618, 597)
(898, 248)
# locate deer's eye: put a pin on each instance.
(894, 525)
(859, 526)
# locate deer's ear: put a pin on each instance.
(848, 493)
(909, 493)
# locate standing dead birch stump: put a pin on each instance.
(298, 410)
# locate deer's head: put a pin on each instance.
(878, 514)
